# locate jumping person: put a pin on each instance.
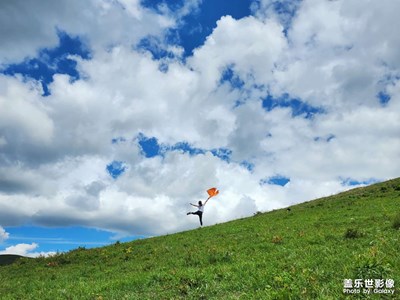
(199, 212)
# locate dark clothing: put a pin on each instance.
(200, 214)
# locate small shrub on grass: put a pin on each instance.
(187, 284)
(277, 239)
(396, 222)
(192, 261)
(370, 265)
(61, 259)
(52, 264)
(128, 250)
(22, 260)
(352, 233)
(79, 249)
(220, 257)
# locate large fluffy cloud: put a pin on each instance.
(27, 26)
(54, 150)
(251, 46)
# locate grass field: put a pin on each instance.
(302, 254)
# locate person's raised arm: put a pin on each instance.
(194, 205)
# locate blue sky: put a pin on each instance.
(58, 239)
(51, 61)
(114, 115)
(199, 24)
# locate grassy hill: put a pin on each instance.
(7, 259)
(302, 254)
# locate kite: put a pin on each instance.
(212, 192)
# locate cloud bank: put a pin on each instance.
(310, 94)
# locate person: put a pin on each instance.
(199, 212)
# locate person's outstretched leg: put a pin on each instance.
(200, 214)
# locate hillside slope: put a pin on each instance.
(302, 254)
(7, 259)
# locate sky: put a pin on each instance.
(116, 114)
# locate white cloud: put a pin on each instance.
(24, 116)
(336, 59)
(251, 46)
(20, 249)
(25, 250)
(27, 26)
(3, 235)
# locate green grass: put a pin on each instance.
(302, 254)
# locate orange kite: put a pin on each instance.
(212, 192)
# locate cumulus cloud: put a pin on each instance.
(54, 150)
(3, 235)
(27, 26)
(25, 250)
(25, 117)
(336, 58)
(251, 46)
(20, 249)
